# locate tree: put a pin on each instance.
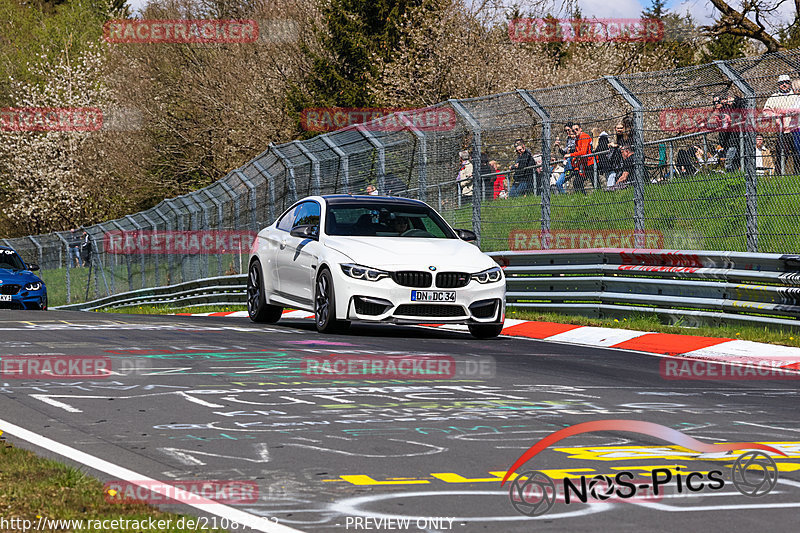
(726, 46)
(754, 20)
(352, 34)
(656, 10)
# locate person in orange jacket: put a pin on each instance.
(584, 164)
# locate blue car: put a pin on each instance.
(20, 288)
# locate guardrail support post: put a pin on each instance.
(381, 157)
(477, 182)
(638, 158)
(544, 116)
(289, 170)
(344, 162)
(315, 172)
(747, 143)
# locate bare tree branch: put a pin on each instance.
(735, 22)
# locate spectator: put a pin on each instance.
(777, 106)
(500, 184)
(487, 174)
(604, 167)
(764, 164)
(86, 247)
(371, 190)
(566, 173)
(621, 136)
(75, 247)
(524, 171)
(720, 121)
(464, 177)
(685, 162)
(582, 158)
(626, 168)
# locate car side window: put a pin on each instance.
(287, 220)
(308, 213)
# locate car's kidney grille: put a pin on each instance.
(412, 278)
(452, 280)
(432, 310)
(9, 289)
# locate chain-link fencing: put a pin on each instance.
(667, 167)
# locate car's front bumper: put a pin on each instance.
(386, 301)
(30, 300)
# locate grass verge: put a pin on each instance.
(34, 487)
(167, 310)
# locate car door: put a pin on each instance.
(274, 241)
(297, 257)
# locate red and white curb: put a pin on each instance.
(714, 349)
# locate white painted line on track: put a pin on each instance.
(258, 523)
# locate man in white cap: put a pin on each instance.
(784, 106)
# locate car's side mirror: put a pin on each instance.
(33, 267)
(466, 235)
(305, 231)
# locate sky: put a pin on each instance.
(701, 10)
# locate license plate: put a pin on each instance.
(5, 297)
(433, 296)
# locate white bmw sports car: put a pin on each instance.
(373, 259)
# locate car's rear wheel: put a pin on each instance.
(325, 305)
(485, 331)
(257, 307)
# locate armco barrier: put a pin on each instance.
(686, 287)
(223, 290)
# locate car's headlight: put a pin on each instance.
(362, 272)
(490, 275)
(35, 286)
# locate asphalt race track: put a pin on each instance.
(223, 399)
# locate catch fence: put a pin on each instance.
(681, 191)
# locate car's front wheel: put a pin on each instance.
(485, 331)
(257, 308)
(325, 305)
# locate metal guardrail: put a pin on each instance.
(686, 287)
(222, 290)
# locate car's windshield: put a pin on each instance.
(9, 259)
(382, 219)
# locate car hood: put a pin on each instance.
(19, 277)
(394, 253)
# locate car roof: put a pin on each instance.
(7, 248)
(350, 198)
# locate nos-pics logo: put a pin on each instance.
(534, 493)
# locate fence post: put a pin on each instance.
(220, 223)
(127, 257)
(69, 265)
(252, 194)
(270, 187)
(381, 157)
(638, 158)
(179, 226)
(547, 124)
(235, 199)
(141, 252)
(314, 166)
(167, 228)
(287, 163)
(748, 143)
(422, 180)
(39, 254)
(344, 162)
(477, 181)
(156, 276)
